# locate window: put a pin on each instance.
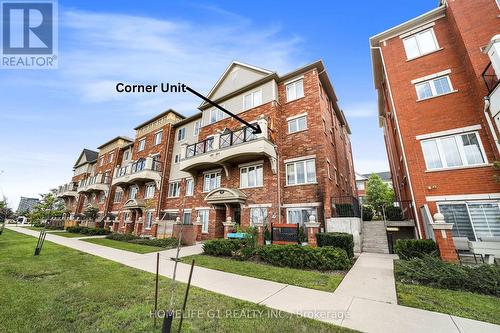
(150, 191)
(216, 115)
(186, 218)
(360, 185)
(101, 161)
(434, 87)
(142, 144)
(295, 90)
(177, 158)
(297, 124)
(453, 151)
(473, 220)
(126, 155)
(181, 135)
(189, 187)
(111, 156)
(252, 100)
(328, 166)
(102, 197)
(118, 196)
(133, 192)
(203, 214)
(174, 189)
(300, 215)
(158, 137)
(251, 176)
(149, 220)
(211, 181)
(125, 216)
(258, 215)
(420, 43)
(301, 172)
(197, 127)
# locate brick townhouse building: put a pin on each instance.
(439, 129)
(211, 168)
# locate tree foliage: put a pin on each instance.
(49, 207)
(378, 193)
(91, 213)
(5, 211)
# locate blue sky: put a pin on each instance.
(48, 116)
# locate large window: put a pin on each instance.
(295, 90)
(251, 176)
(301, 172)
(203, 214)
(300, 215)
(420, 43)
(252, 99)
(297, 124)
(211, 181)
(118, 196)
(142, 144)
(258, 215)
(181, 134)
(174, 189)
(186, 218)
(133, 192)
(150, 191)
(216, 115)
(158, 137)
(434, 87)
(453, 151)
(473, 220)
(149, 220)
(189, 187)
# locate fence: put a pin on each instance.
(285, 233)
(345, 206)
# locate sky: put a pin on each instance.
(48, 116)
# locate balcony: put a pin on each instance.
(237, 146)
(491, 78)
(95, 183)
(140, 171)
(67, 190)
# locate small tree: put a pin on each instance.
(91, 213)
(48, 207)
(378, 193)
(5, 211)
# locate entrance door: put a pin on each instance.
(237, 215)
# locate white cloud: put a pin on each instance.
(361, 110)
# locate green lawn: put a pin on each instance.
(64, 290)
(137, 248)
(67, 234)
(457, 303)
(302, 278)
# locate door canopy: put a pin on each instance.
(134, 204)
(225, 195)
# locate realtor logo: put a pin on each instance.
(29, 35)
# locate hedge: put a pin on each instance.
(222, 247)
(87, 231)
(304, 257)
(393, 213)
(368, 213)
(121, 237)
(165, 242)
(340, 240)
(415, 248)
(431, 271)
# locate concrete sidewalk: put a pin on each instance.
(365, 300)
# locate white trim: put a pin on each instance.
(296, 159)
(458, 197)
(431, 76)
(245, 94)
(250, 164)
(268, 205)
(300, 205)
(212, 171)
(416, 30)
(296, 116)
(294, 79)
(173, 210)
(202, 208)
(448, 132)
(188, 210)
(460, 167)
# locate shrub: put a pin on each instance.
(74, 229)
(87, 231)
(367, 213)
(222, 247)
(431, 271)
(38, 225)
(165, 242)
(340, 240)
(244, 253)
(304, 257)
(393, 213)
(121, 237)
(415, 248)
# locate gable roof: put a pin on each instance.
(86, 156)
(257, 70)
(124, 138)
(158, 117)
(386, 175)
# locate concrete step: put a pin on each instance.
(374, 237)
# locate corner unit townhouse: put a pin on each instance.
(440, 135)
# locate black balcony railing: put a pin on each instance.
(231, 138)
(200, 147)
(490, 78)
(345, 206)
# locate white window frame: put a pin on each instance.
(458, 140)
(110, 157)
(189, 189)
(197, 128)
(174, 189)
(177, 158)
(306, 180)
(142, 145)
(148, 223)
(295, 119)
(181, 134)
(187, 211)
(158, 137)
(261, 209)
(126, 155)
(247, 168)
(415, 35)
(288, 210)
(204, 215)
(219, 115)
(118, 196)
(294, 84)
(101, 161)
(218, 177)
(431, 83)
(253, 96)
(136, 188)
(147, 191)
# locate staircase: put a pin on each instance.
(374, 237)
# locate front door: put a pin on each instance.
(237, 215)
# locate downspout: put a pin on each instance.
(400, 138)
(279, 182)
(162, 178)
(490, 124)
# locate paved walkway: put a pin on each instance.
(365, 300)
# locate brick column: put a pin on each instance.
(260, 233)
(138, 226)
(198, 225)
(228, 226)
(154, 228)
(444, 238)
(312, 229)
